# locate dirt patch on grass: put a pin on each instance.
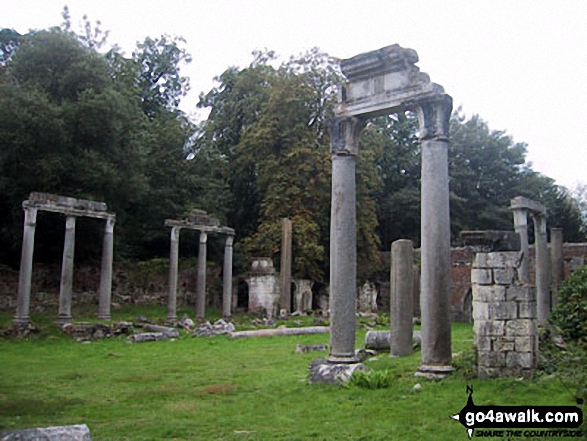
(219, 389)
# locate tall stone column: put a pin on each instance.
(542, 269)
(521, 227)
(435, 236)
(285, 270)
(227, 278)
(106, 270)
(402, 297)
(173, 268)
(556, 262)
(67, 272)
(26, 266)
(344, 136)
(201, 282)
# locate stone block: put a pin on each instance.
(525, 344)
(491, 359)
(489, 328)
(488, 293)
(504, 344)
(482, 343)
(481, 276)
(500, 259)
(520, 293)
(505, 276)
(520, 328)
(79, 432)
(484, 372)
(480, 311)
(520, 359)
(527, 310)
(503, 311)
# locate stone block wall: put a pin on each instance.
(504, 314)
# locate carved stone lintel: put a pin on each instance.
(345, 132)
(434, 117)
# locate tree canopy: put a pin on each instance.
(88, 124)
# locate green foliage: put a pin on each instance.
(570, 314)
(372, 379)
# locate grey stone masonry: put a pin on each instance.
(504, 316)
(286, 260)
(206, 224)
(72, 209)
(381, 82)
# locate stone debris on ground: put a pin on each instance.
(186, 323)
(219, 327)
(150, 336)
(78, 432)
(82, 332)
(302, 349)
(323, 372)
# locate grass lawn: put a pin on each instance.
(243, 389)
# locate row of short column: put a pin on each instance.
(66, 284)
(201, 276)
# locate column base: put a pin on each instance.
(324, 371)
(434, 372)
(342, 359)
(171, 320)
(104, 317)
(21, 320)
(63, 319)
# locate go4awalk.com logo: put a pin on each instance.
(520, 421)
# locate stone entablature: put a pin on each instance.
(68, 206)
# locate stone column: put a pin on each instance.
(344, 136)
(26, 266)
(521, 227)
(67, 272)
(227, 278)
(402, 297)
(173, 268)
(201, 282)
(542, 269)
(106, 270)
(556, 262)
(285, 270)
(435, 236)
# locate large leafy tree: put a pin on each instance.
(70, 124)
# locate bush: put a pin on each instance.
(570, 315)
(371, 379)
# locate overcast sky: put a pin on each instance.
(520, 64)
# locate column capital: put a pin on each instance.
(70, 222)
(345, 132)
(203, 237)
(229, 240)
(434, 118)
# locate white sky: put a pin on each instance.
(520, 64)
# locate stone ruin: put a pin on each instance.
(72, 209)
(204, 223)
(381, 82)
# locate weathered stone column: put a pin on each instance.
(285, 270)
(67, 272)
(344, 137)
(106, 270)
(402, 297)
(556, 263)
(227, 278)
(435, 236)
(173, 268)
(542, 269)
(521, 227)
(201, 282)
(26, 266)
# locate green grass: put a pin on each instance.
(244, 389)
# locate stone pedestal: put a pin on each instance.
(504, 314)
(263, 287)
(303, 295)
(227, 279)
(67, 272)
(402, 263)
(323, 371)
(26, 266)
(106, 271)
(201, 281)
